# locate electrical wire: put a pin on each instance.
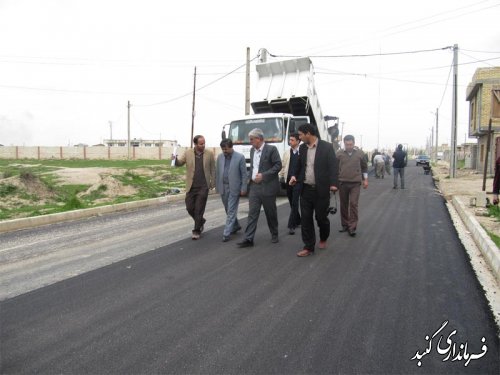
(472, 57)
(368, 54)
(196, 90)
(446, 85)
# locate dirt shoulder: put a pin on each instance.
(466, 185)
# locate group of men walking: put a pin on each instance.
(311, 172)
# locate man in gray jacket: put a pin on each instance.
(265, 164)
(230, 183)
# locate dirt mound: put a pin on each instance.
(110, 188)
(31, 185)
(84, 176)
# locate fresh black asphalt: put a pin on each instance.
(363, 306)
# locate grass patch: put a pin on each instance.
(494, 211)
(46, 194)
(146, 186)
(7, 189)
(77, 163)
(494, 238)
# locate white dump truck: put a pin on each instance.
(284, 98)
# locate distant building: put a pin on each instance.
(140, 143)
(483, 95)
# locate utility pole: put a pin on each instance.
(128, 129)
(247, 84)
(110, 130)
(437, 147)
(193, 112)
(453, 154)
(431, 143)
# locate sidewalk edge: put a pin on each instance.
(487, 247)
(36, 221)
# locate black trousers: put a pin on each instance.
(293, 194)
(196, 201)
(313, 207)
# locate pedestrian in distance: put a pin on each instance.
(317, 170)
(230, 183)
(353, 171)
(379, 163)
(400, 160)
(264, 185)
(387, 160)
(200, 178)
(290, 160)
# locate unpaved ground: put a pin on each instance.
(467, 184)
(97, 177)
(31, 191)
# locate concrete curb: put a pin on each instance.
(31, 222)
(487, 247)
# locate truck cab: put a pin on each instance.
(277, 128)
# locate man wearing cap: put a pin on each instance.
(265, 164)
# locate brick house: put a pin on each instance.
(483, 95)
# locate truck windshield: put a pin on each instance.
(272, 128)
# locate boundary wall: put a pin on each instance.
(91, 152)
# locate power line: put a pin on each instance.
(384, 32)
(368, 54)
(197, 90)
(446, 85)
(476, 60)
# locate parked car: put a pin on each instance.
(422, 160)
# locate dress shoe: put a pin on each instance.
(235, 230)
(246, 243)
(352, 233)
(305, 253)
(225, 239)
(275, 239)
(195, 236)
(344, 229)
(291, 231)
(322, 245)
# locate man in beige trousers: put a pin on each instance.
(353, 171)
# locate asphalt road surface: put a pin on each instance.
(399, 298)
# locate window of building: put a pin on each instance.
(472, 113)
(495, 105)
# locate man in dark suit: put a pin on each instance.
(317, 169)
(265, 164)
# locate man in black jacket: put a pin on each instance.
(400, 159)
(318, 171)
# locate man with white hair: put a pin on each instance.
(265, 164)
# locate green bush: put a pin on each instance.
(7, 189)
(73, 203)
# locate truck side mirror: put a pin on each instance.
(223, 135)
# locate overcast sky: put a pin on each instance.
(68, 67)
